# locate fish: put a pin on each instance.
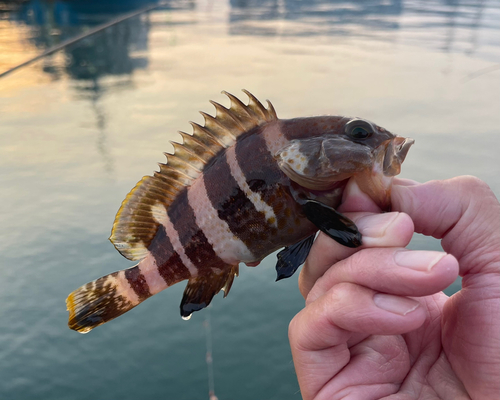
(243, 185)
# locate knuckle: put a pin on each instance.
(473, 184)
(296, 332)
(341, 291)
(292, 328)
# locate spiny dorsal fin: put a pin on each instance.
(138, 218)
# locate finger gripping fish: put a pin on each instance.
(240, 187)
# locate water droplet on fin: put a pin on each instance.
(186, 318)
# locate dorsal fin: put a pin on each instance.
(138, 218)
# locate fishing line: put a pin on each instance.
(480, 72)
(209, 357)
(83, 35)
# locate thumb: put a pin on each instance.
(462, 211)
(465, 213)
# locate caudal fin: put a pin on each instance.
(102, 300)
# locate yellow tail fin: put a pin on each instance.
(98, 302)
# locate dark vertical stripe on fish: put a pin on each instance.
(138, 282)
(196, 245)
(233, 206)
(263, 174)
(257, 162)
(169, 264)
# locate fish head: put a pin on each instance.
(353, 148)
(387, 157)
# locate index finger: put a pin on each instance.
(393, 229)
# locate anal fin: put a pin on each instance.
(200, 291)
(292, 257)
(334, 224)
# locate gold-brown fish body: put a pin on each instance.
(239, 188)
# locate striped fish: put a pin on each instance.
(240, 187)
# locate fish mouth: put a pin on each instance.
(395, 154)
(377, 182)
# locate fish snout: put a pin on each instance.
(395, 154)
(403, 145)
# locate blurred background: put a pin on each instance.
(79, 127)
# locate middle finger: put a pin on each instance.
(395, 271)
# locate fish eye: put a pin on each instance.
(359, 133)
(358, 129)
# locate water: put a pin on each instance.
(80, 127)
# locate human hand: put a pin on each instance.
(376, 324)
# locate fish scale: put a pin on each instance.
(240, 187)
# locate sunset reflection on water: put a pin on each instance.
(80, 127)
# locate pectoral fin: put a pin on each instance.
(334, 224)
(292, 257)
(200, 291)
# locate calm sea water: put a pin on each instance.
(80, 127)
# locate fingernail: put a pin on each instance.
(395, 304)
(418, 260)
(375, 225)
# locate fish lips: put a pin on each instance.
(395, 154)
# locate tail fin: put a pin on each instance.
(102, 300)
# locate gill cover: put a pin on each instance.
(317, 163)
